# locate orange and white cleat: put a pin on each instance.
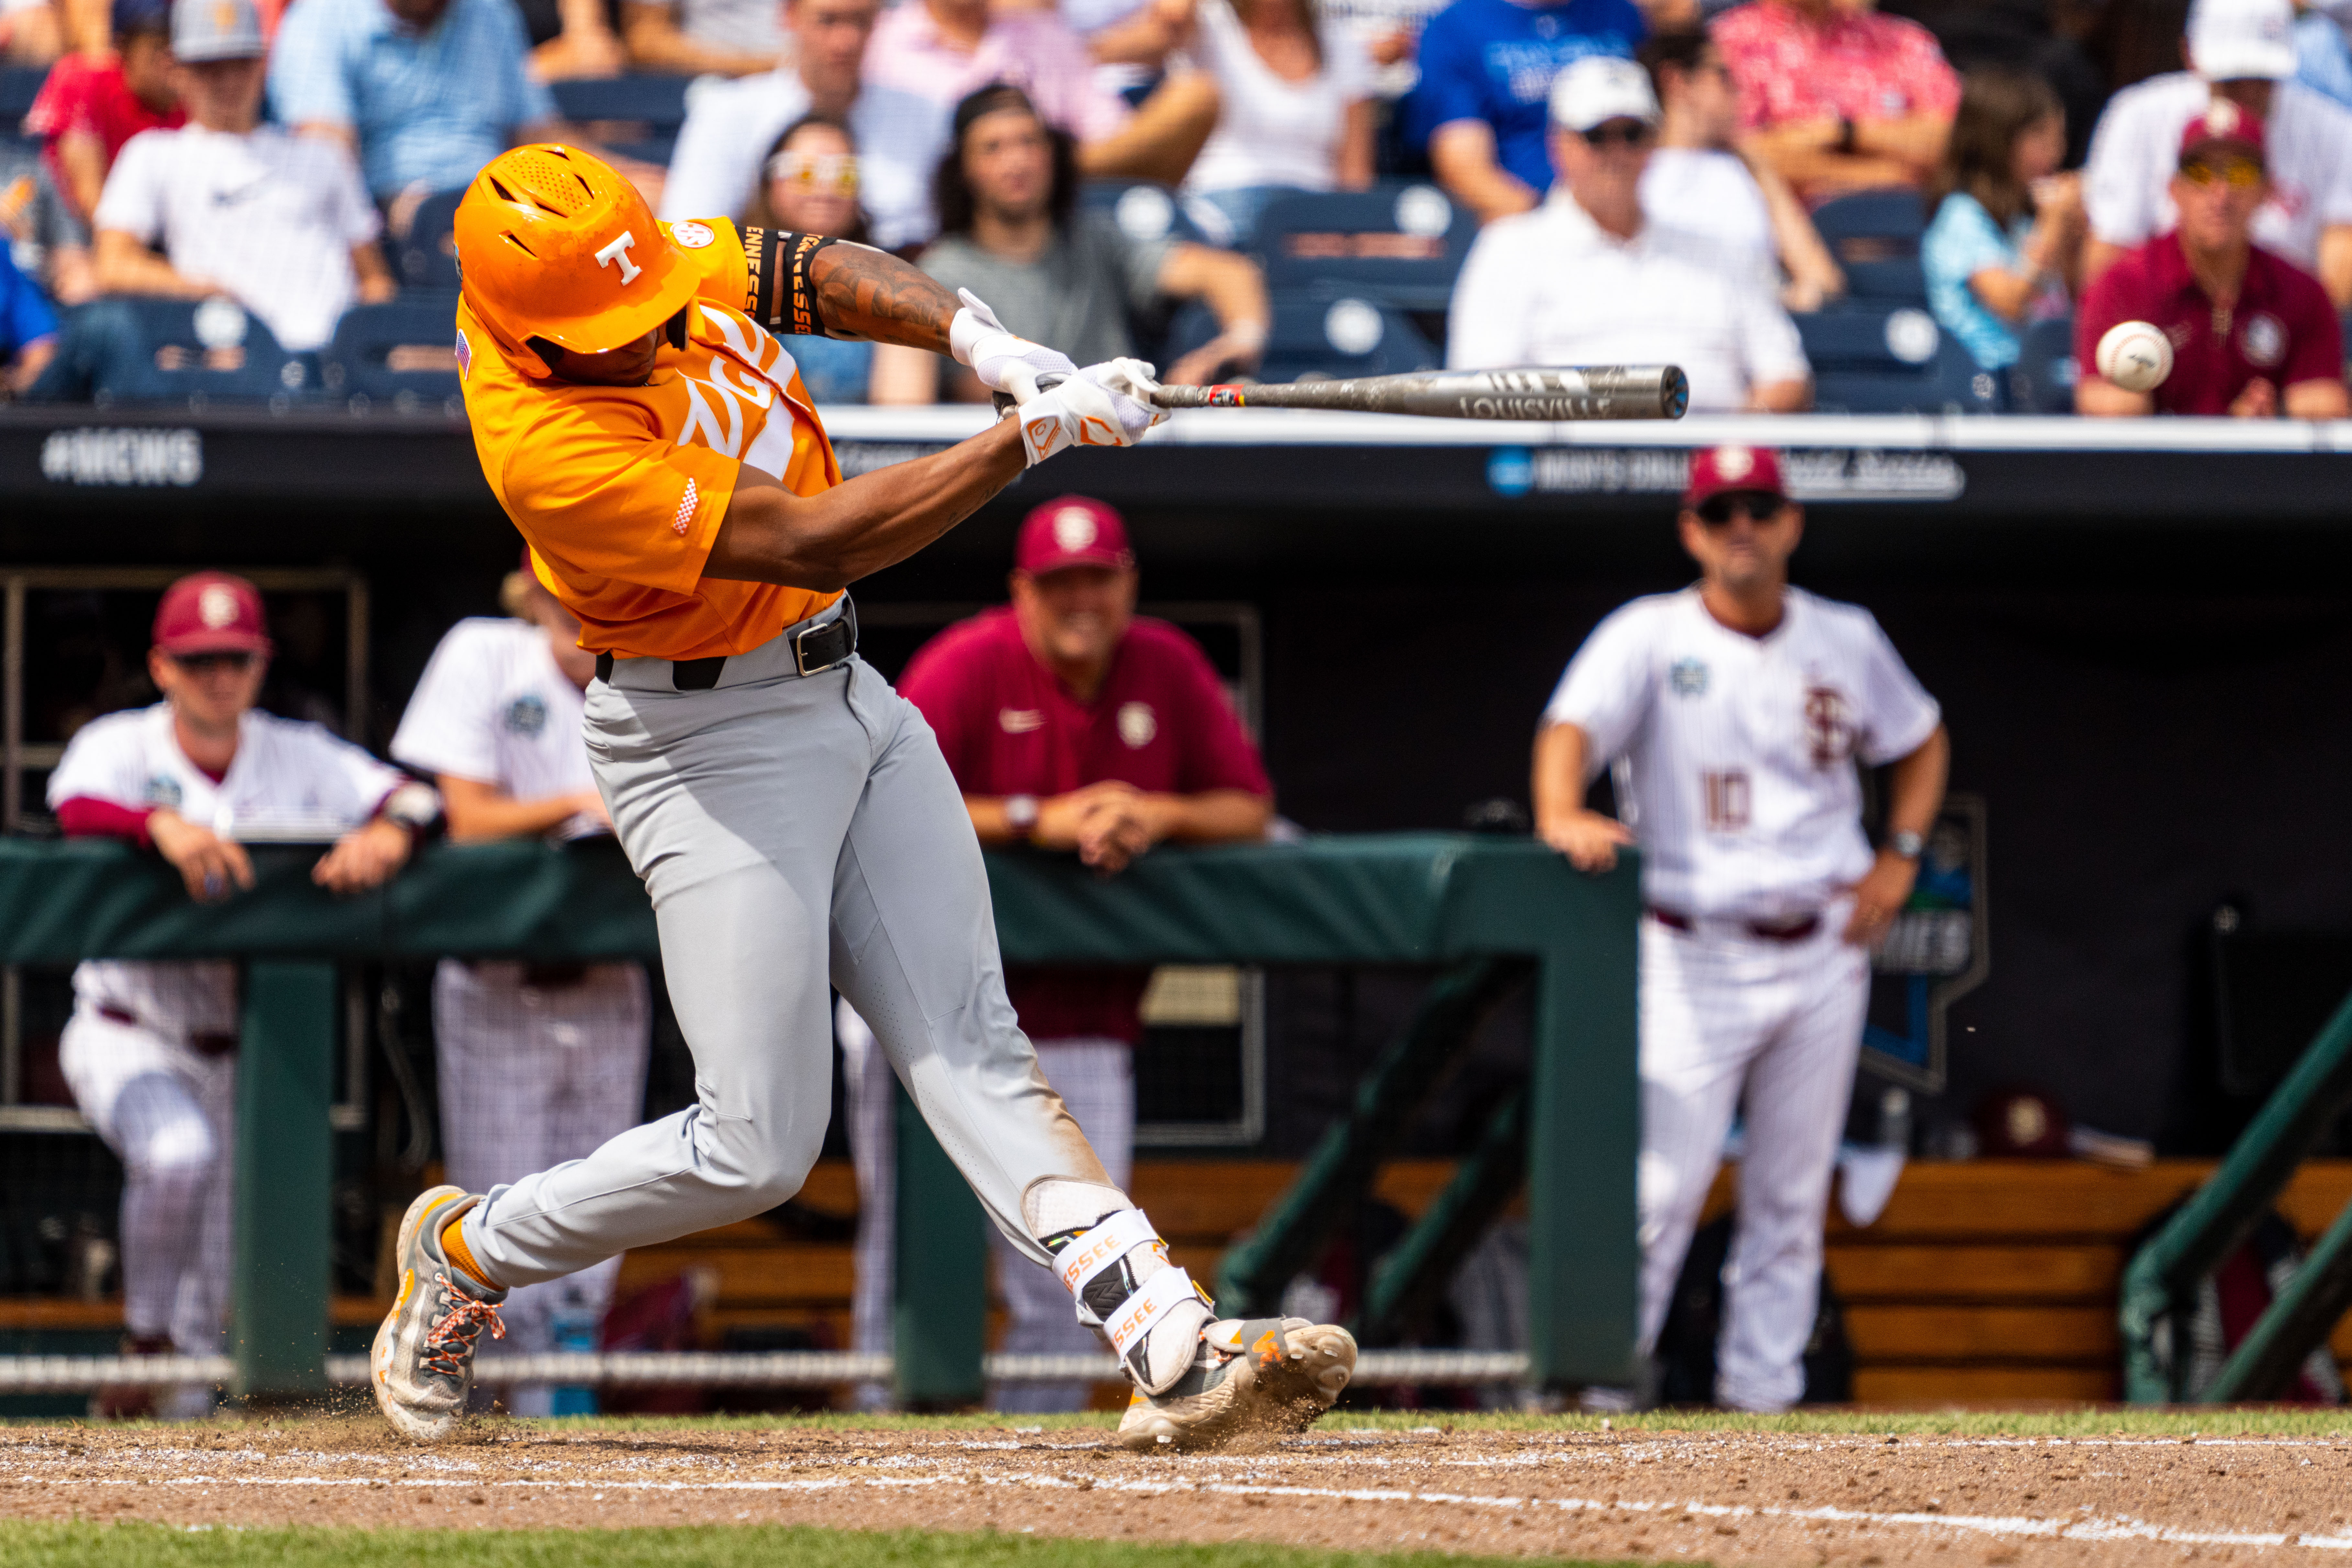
(1254, 1378)
(423, 1365)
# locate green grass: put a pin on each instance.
(716, 1546)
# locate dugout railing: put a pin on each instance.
(2161, 1283)
(1466, 902)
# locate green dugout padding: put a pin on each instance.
(1418, 898)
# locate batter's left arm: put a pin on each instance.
(1914, 794)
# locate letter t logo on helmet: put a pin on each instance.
(553, 244)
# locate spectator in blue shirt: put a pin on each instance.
(423, 92)
(1487, 69)
(28, 330)
(2005, 242)
(2322, 54)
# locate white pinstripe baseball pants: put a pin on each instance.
(1727, 1017)
(531, 1076)
(1096, 1078)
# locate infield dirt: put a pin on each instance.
(1725, 1497)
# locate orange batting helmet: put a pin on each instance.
(553, 243)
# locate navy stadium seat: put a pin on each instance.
(1874, 236)
(2042, 380)
(1399, 243)
(1322, 332)
(1870, 360)
(655, 105)
(416, 329)
(1142, 210)
(18, 86)
(190, 329)
(427, 258)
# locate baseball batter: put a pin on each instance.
(1734, 713)
(537, 1062)
(790, 814)
(151, 1049)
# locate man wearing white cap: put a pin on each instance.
(1585, 280)
(2243, 50)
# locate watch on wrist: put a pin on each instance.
(1021, 813)
(1906, 844)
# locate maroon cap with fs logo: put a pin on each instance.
(211, 611)
(2223, 126)
(1076, 530)
(1753, 470)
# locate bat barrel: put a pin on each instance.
(1590, 392)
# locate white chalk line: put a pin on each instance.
(2094, 1528)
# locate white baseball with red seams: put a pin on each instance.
(1734, 764)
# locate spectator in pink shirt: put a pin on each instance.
(1836, 97)
(944, 50)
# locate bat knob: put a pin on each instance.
(1673, 392)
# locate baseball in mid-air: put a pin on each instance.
(2136, 356)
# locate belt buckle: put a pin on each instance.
(800, 639)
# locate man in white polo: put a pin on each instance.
(2243, 50)
(1585, 280)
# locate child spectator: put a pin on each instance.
(92, 104)
(1006, 192)
(2253, 335)
(2005, 242)
(1584, 280)
(1836, 97)
(1297, 109)
(812, 187)
(28, 330)
(1699, 183)
(1487, 73)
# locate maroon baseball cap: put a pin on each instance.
(1076, 530)
(211, 611)
(2224, 125)
(1753, 470)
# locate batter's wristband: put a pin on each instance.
(779, 295)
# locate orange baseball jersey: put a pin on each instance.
(620, 490)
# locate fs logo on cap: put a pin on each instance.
(1073, 529)
(1734, 463)
(216, 607)
(2221, 118)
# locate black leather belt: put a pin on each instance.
(1794, 930)
(816, 649)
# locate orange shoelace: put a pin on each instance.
(452, 1335)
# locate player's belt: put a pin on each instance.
(813, 650)
(1795, 928)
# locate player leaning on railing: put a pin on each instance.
(790, 814)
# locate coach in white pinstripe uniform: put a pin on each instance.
(1734, 713)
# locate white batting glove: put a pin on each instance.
(1004, 361)
(1104, 405)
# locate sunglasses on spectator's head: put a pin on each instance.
(1619, 133)
(236, 660)
(2239, 173)
(1756, 506)
(816, 174)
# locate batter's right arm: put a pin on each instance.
(1589, 840)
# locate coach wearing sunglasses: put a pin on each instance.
(1735, 713)
(1586, 279)
(2253, 335)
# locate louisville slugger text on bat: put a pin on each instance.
(1589, 392)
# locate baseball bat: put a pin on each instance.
(1587, 391)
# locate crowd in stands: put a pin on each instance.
(1807, 203)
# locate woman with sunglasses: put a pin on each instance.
(810, 186)
(2005, 246)
(2253, 335)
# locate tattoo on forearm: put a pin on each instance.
(822, 287)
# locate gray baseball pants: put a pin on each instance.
(789, 829)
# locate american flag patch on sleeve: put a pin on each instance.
(687, 504)
(464, 357)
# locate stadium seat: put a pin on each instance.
(636, 116)
(1874, 234)
(427, 258)
(1320, 333)
(2042, 380)
(399, 354)
(168, 343)
(18, 86)
(1402, 243)
(1142, 210)
(1880, 361)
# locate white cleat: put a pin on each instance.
(423, 1365)
(1253, 1379)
